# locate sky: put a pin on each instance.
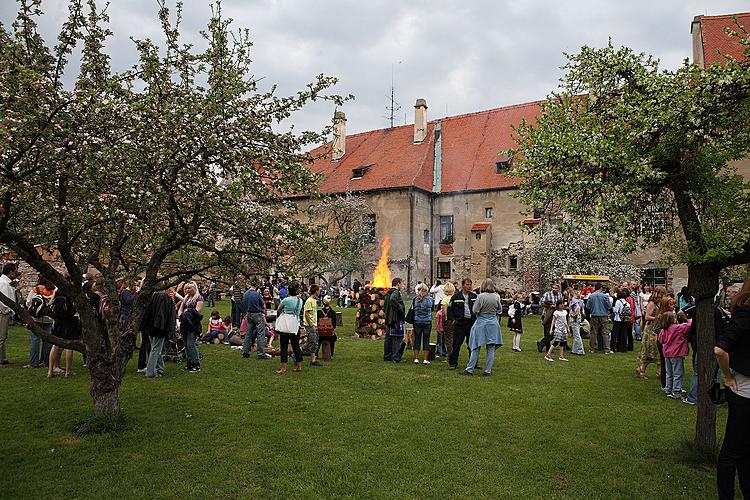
(461, 57)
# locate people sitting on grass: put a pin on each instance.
(214, 328)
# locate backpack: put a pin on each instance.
(38, 307)
(103, 309)
(626, 311)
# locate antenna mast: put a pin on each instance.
(394, 106)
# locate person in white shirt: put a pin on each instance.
(10, 272)
(438, 293)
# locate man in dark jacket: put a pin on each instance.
(157, 323)
(461, 312)
(394, 321)
(732, 351)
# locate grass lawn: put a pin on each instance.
(355, 428)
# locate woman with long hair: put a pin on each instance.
(732, 352)
(190, 314)
(649, 350)
(486, 329)
(291, 305)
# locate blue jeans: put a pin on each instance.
(675, 374)
(156, 357)
(488, 362)
(256, 329)
(191, 349)
(422, 332)
(36, 343)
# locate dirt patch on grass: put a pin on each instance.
(69, 439)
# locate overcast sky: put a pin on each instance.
(461, 56)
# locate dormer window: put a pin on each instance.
(503, 164)
(358, 173)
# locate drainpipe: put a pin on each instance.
(411, 238)
(437, 180)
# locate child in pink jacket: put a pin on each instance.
(673, 338)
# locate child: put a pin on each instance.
(560, 335)
(576, 309)
(440, 348)
(227, 329)
(673, 338)
(515, 312)
(214, 327)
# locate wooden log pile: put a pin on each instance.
(370, 317)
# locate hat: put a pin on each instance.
(327, 299)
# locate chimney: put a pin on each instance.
(420, 121)
(339, 135)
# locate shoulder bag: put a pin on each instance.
(289, 323)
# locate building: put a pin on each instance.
(439, 190)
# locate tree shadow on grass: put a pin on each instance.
(94, 425)
(686, 453)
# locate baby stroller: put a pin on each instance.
(174, 348)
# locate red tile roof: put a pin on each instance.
(715, 40)
(480, 226)
(471, 145)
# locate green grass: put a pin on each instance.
(355, 428)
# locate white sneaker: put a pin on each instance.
(141, 370)
(426, 362)
(416, 361)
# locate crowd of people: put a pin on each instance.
(302, 318)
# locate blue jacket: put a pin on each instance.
(253, 302)
(423, 309)
(598, 304)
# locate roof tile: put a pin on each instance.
(715, 40)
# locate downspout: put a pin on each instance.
(437, 182)
(411, 238)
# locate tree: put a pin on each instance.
(622, 137)
(574, 249)
(342, 229)
(126, 172)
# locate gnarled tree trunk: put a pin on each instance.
(703, 282)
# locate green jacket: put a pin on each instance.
(394, 308)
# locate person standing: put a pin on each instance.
(37, 303)
(438, 293)
(732, 352)
(549, 301)
(515, 313)
(486, 329)
(10, 273)
(576, 311)
(598, 306)
(191, 315)
(394, 321)
(310, 321)
(287, 325)
(157, 323)
(449, 290)
(462, 313)
(423, 305)
(256, 324)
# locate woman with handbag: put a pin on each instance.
(287, 326)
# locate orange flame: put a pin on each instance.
(382, 276)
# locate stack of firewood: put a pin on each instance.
(370, 322)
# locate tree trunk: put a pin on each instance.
(703, 283)
(106, 378)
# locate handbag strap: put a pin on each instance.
(296, 308)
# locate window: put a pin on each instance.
(369, 223)
(446, 229)
(426, 236)
(443, 270)
(478, 236)
(652, 222)
(488, 212)
(358, 173)
(513, 263)
(655, 276)
(503, 166)
(537, 214)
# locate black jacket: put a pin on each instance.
(456, 306)
(395, 312)
(736, 340)
(160, 316)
